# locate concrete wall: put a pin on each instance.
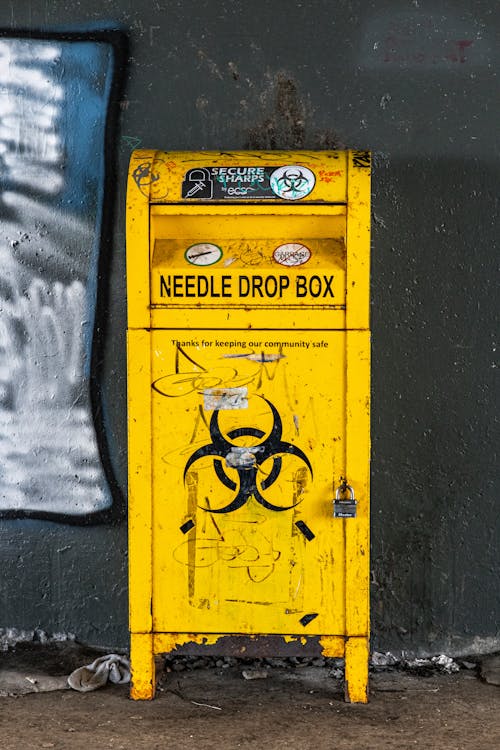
(414, 81)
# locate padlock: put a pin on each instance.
(343, 508)
(198, 183)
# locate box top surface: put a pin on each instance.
(240, 176)
(244, 232)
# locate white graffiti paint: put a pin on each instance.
(49, 457)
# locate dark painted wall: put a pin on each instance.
(416, 82)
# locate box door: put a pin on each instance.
(248, 446)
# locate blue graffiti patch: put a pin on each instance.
(53, 110)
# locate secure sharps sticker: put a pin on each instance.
(290, 183)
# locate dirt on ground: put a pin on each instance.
(300, 708)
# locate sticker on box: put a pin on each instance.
(215, 399)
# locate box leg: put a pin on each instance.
(356, 670)
(142, 664)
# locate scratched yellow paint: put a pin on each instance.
(248, 402)
(250, 570)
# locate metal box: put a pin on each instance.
(248, 395)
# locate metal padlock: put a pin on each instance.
(343, 508)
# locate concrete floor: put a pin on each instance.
(297, 707)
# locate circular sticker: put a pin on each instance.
(203, 254)
(292, 183)
(292, 254)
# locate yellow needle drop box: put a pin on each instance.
(248, 398)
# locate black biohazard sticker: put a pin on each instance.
(247, 460)
(289, 183)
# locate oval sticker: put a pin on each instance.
(292, 254)
(203, 254)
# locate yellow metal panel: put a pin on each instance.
(247, 261)
(300, 214)
(357, 473)
(139, 480)
(176, 284)
(285, 319)
(254, 550)
(358, 240)
(285, 208)
(138, 261)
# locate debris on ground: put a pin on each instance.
(424, 667)
(255, 674)
(41, 667)
(490, 669)
(383, 660)
(378, 662)
(180, 663)
(445, 663)
(110, 668)
(468, 664)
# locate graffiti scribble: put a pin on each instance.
(237, 549)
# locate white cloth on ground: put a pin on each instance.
(111, 668)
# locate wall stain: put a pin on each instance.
(287, 120)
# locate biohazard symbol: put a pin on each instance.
(247, 461)
(292, 182)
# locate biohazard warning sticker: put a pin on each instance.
(289, 183)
